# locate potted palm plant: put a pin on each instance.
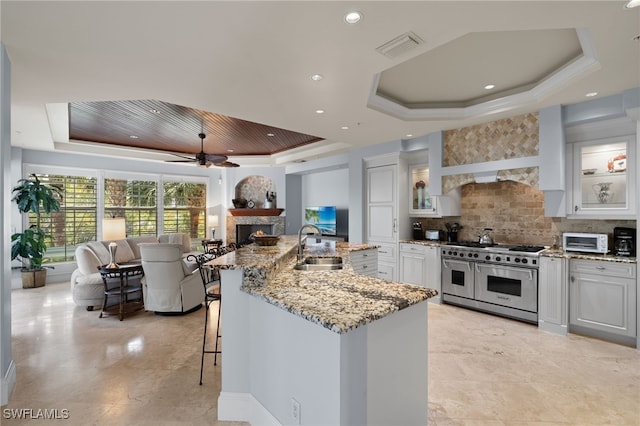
(29, 246)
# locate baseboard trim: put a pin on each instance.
(8, 383)
(243, 407)
(553, 328)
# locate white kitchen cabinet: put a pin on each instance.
(553, 302)
(602, 297)
(420, 265)
(602, 178)
(386, 224)
(422, 203)
(412, 263)
(433, 267)
(365, 262)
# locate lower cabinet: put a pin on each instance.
(387, 260)
(412, 263)
(420, 265)
(602, 299)
(553, 312)
(365, 262)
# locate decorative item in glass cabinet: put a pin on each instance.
(603, 191)
(420, 185)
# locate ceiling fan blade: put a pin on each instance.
(183, 156)
(226, 164)
(193, 160)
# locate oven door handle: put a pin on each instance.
(477, 267)
(446, 264)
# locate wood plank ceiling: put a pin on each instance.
(161, 126)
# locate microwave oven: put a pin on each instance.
(590, 243)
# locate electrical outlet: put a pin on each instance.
(295, 411)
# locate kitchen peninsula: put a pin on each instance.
(319, 347)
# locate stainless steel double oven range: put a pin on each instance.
(500, 279)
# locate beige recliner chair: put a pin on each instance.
(169, 287)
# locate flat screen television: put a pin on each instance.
(324, 217)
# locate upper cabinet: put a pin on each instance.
(421, 203)
(602, 178)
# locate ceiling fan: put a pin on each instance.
(205, 160)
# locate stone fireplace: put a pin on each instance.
(240, 227)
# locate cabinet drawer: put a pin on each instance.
(365, 262)
(387, 251)
(612, 269)
(413, 248)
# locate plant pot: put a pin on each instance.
(34, 278)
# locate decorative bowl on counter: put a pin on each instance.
(265, 240)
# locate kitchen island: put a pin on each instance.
(319, 347)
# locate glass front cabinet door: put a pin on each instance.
(603, 178)
(421, 203)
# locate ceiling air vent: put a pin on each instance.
(400, 45)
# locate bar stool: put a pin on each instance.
(211, 282)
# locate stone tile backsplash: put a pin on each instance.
(515, 212)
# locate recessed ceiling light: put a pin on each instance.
(353, 17)
(229, 150)
(591, 94)
(154, 111)
(133, 137)
(344, 128)
(319, 111)
(270, 135)
(489, 86)
(409, 135)
(316, 77)
(632, 3)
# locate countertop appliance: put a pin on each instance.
(498, 278)
(432, 235)
(624, 241)
(585, 242)
(417, 231)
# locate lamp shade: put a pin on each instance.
(213, 220)
(113, 229)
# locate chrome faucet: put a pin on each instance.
(306, 225)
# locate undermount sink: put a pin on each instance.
(320, 263)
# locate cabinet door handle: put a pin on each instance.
(573, 279)
(575, 208)
(600, 268)
(395, 225)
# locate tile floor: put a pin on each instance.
(484, 370)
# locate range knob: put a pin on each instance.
(461, 254)
(475, 255)
(517, 260)
(470, 254)
(498, 258)
(525, 261)
(487, 257)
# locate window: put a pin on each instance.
(75, 223)
(151, 205)
(185, 208)
(135, 200)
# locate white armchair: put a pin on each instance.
(168, 285)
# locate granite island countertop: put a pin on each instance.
(339, 300)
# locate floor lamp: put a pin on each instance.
(113, 229)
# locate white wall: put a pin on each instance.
(7, 366)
